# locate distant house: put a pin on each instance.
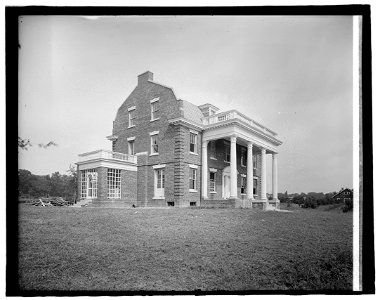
(344, 195)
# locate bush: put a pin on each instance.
(310, 203)
(348, 204)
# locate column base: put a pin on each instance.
(259, 204)
(275, 203)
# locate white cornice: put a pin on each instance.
(185, 122)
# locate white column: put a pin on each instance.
(233, 166)
(263, 175)
(249, 172)
(204, 170)
(274, 175)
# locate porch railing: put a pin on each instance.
(106, 154)
(235, 115)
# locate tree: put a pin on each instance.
(23, 144)
(24, 181)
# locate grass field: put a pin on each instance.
(62, 248)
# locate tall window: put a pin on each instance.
(212, 182)
(193, 179)
(154, 143)
(227, 149)
(114, 183)
(131, 147)
(255, 186)
(243, 184)
(212, 150)
(132, 116)
(154, 110)
(193, 142)
(254, 161)
(89, 183)
(243, 157)
(159, 183)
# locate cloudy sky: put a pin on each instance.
(293, 74)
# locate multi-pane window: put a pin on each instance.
(227, 149)
(160, 179)
(254, 160)
(243, 157)
(154, 110)
(114, 183)
(243, 184)
(255, 186)
(212, 150)
(154, 143)
(89, 183)
(132, 116)
(193, 142)
(193, 179)
(131, 147)
(212, 182)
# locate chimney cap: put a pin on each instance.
(146, 76)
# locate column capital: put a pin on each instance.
(204, 144)
(274, 155)
(249, 145)
(233, 139)
(263, 151)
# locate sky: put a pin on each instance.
(292, 74)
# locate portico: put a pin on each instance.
(258, 140)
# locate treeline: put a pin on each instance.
(54, 185)
(313, 200)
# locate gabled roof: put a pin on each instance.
(342, 192)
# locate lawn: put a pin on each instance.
(63, 248)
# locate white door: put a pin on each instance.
(159, 191)
(226, 186)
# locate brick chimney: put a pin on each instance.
(144, 77)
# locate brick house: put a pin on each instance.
(170, 152)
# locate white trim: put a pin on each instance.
(158, 166)
(112, 137)
(141, 153)
(193, 153)
(106, 164)
(243, 175)
(132, 108)
(213, 158)
(213, 192)
(132, 126)
(193, 191)
(154, 119)
(186, 122)
(193, 131)
(154, 132)
(131, 138)
(193, 166)
(153, 154)
(158, 198)
(154, 100)
(213, 170)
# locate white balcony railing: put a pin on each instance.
(106, 154)
(235, 115)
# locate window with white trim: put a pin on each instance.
(193, 179)
(154, 110)
(131, 117)
(159, 183)
(193, 142)
(212, 182)
(243, 185)
(89, 183)
(255, 186)
(131, 147)
(243, 157)
(114, 183)
(154, 144)
(227, 149)
(254, 161)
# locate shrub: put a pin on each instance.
(348, 204)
